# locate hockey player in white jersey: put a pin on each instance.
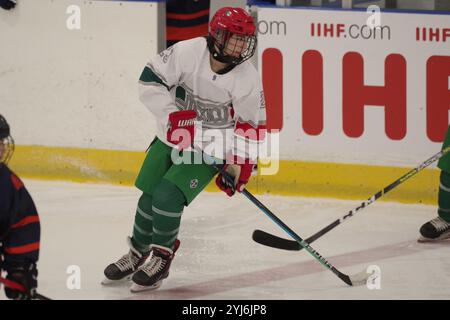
(208, 80)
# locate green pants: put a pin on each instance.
(167, 185)
(444, 162)
(191, 179)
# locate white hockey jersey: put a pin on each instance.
(181, 78)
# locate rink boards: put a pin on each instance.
(294, 178)
(70, 95)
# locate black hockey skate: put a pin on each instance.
(124, 268)
(435, 230)
(151, 275)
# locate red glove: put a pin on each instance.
(240, 171)
(181, 128)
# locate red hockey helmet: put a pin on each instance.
(232, 36)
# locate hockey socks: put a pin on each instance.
(444, 196)
(158, 217)
(167, 208)
(143, 224)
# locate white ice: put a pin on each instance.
(85, 225)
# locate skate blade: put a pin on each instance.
(135, 288)
(109, 282)
(425, 240)
(429, 240)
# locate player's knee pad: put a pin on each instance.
(145, 201)
(166, 193)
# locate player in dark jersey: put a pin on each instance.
(19, 225)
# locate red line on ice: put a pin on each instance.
(257, 278)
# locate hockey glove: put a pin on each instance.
(26, 275)
(8, 4)
(181, 128)
(240, 171)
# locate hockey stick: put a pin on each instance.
(17, 286)
(353, 280)
(271, 240)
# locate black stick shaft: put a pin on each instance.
(288, 230)
(295, 236)
(268, 239)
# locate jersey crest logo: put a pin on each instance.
(212, 114)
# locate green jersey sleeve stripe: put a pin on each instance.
(148, 76)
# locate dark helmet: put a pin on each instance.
(227, 22)
(6, 141)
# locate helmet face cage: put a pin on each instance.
(6, 141)
(6, 149)
(231, 47)
(232, 38)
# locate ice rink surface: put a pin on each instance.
(86, 225)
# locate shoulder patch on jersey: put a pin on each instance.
(165, 55)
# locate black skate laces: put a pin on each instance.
(440, 224)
